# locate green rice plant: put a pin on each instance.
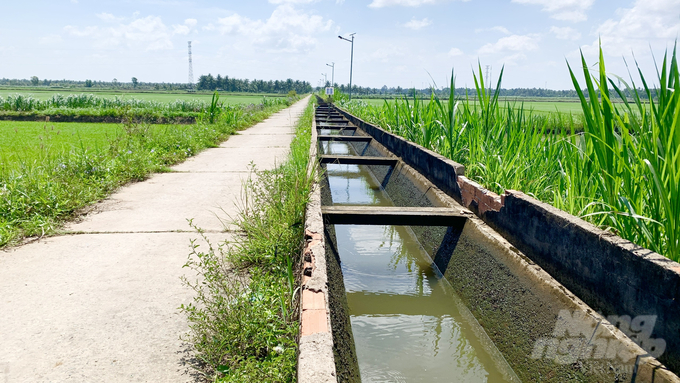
(621, 173)
(637, 149)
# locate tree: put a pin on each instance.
(88, 83)
(35, 81)
(134, 82)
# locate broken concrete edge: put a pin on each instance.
(316, 362)
(448, 176)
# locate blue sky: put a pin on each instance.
(398, 42)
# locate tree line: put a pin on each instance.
(226, 83)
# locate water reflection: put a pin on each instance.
(405, 318)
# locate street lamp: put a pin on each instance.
(325, 78)
(332, 73)
(351, 61)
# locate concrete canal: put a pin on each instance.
(402, 283)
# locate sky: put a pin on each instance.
(407, 43)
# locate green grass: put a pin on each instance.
(621, 174)
(47, 174)
(244, 319)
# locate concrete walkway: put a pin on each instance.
(100, 303)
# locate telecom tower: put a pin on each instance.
(191, 70)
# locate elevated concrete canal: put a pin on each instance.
(403, 283)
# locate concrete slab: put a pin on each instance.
(238, 159)
(85, 307)
(254, 140)
(103, 306)
(166, 201)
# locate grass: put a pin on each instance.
(621, 173)
(244, 319)
(64, 171)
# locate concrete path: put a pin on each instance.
(100, 303)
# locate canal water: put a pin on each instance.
(407, 323)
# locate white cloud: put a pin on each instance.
(497, 28)
(287, 29)
(418, 24)
(292, 1)
(184, 29)
(567, 10)
(513, 43)
(647, 22)
(406, 3)
(108, 17)
(565, 33)
(146, 33)
(455, 52)
(513, 59)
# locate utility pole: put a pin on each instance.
(325, 78)
(351, 62)
(332, 73)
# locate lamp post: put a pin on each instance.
(332, 73)
(351, 61)
(325, 78)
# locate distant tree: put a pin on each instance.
(134, 82)
(35, 81)
(115, 82)
(88, 83)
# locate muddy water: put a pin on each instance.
(408, 324)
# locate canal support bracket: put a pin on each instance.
(393, 215)
(345, 138)
(358, 160)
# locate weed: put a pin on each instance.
(244, 320)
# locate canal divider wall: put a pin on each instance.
(506, 282)
(316, 362)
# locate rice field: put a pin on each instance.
(160, 97)
(24, 139)
(621, 173)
